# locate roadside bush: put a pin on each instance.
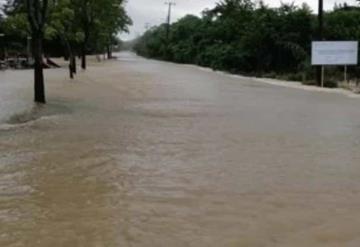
(240, 36)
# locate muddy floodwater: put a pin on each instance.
(142, 153)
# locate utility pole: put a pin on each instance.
(319, 69)
(168, 21)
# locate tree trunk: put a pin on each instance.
(83, 58)
(84, 46)
(39, 87)
(71, 57)
(71, 74)
(74, 64)
(109, 52)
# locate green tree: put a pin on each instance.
(37, 11)
(237, 36)
(99, 20)
(62, 25)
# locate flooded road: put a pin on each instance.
(141, 153)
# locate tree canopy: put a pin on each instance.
(81, 27)
(94, 22)
(247, 37)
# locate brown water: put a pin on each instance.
(143, 153)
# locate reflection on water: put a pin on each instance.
(144, 153)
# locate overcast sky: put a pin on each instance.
(154, 11)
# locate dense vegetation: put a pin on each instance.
(243, 37)
(59, 27)
(89, 25)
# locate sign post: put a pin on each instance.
(345, 73)
(334, 53)
(322, 75)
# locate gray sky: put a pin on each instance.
(154, 11)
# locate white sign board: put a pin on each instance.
(334, 53)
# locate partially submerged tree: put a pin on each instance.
(85, 12)
(37, 16)
(99, 21)
(112, 19)
(82, 26)
(62, 25)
